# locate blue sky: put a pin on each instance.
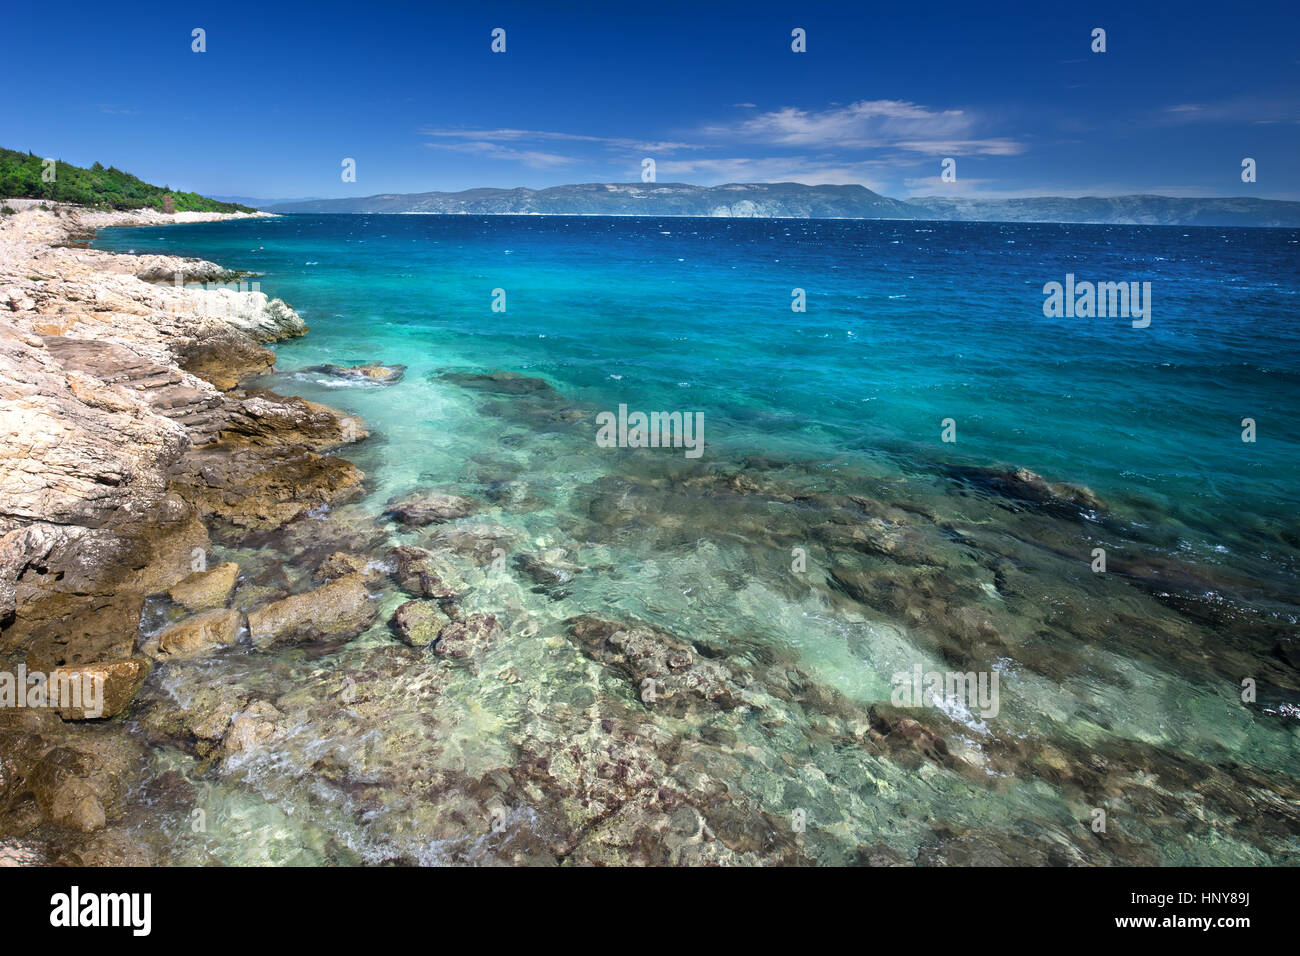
(711, 91)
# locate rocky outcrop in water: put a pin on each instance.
(371, 374)
(340, 609)
(429, 507)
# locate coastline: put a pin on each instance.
(127, 442)
(451, 676)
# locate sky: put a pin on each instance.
(712, 92)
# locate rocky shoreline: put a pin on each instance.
(431, 680)
(125, 440)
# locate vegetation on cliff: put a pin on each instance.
(25, 175)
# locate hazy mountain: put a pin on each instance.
(795, 200)
(257, 203)
(632, 199)
(1140, 210)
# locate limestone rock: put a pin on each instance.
(206, 589)
(418, 623)
(424, 508)
(340, 609)
(201, 633)
(421, 574)
(119, 681)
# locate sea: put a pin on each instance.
(911, 465)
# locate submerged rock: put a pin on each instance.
(504, 383)
(1021, 484)
(665, 671)
(467, 638)
(423, 508)
(250, 730)
(479, 545)
(419, 573)
(378, 374)
(548, 568)
(340, 609)
(418, 623)
(907, 732)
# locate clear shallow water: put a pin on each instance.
(907, 324)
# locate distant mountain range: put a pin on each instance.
(797, 201)
(257, 203)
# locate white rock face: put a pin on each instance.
(264, 318)
(95, 401)
(744, 209)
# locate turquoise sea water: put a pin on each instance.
(907, 324)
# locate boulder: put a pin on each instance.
(206, 589)
(118, 681)
(424, 508)
(201, 633)
(419, 573)
(340, 609)
(373, 373)
(418, 623)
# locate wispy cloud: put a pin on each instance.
(869, 124)
(440, 136)
(852, 143)
(536, 159)
(1249, 111)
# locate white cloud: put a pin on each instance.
(859, 143)
(529, 157)
(869, 124)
